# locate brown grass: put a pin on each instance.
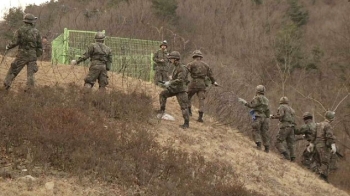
(108, 137)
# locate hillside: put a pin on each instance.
(267, 174)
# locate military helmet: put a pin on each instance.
(100, 36)
(260, 89)
(29, 18)
(307, 115)
(284, 100)
(197, 53)
(329, 115)
(174, 55)
(164, 43)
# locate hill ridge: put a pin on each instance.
(267, 174)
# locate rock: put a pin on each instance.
(166, 117)
(27, 178)
(49, 186)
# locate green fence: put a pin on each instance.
(132, 57)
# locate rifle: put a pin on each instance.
(339, 155)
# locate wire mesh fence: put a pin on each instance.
(131, 57)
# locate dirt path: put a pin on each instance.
(265, 173)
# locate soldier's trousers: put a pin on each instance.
(160, 75)
(322, 158)
(260, 128)
(181, 98)
(286, 134)
(97, 72)
(16, 67)
(201, 96)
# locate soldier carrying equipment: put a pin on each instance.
(260, 122)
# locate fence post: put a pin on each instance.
(65, 45)
(151, 73)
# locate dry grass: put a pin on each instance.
(105, 137)
(267, 174)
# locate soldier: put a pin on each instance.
(160, 59)
(199, 70)
(101, 60)
(46, 49)
(309, 130)
(261, 114)
(285, 114)
(176, 87)
(28, 40)
(324, 143)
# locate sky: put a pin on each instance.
(5, 5)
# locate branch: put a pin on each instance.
(308, 97)
(341, 102)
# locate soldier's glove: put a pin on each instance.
(7, 47)
(73, 62)
(333, 149)
(244, 102)
(310, 147)
(215, 84)
(167, 84)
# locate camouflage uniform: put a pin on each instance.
(177, 88)
(160, 66)
(309, 130)
(46, 49)
(101, 60)
(260, 124)
(285, 114)
(323, 141)
(28, 40)
(199, 71)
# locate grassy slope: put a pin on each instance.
(265, 173)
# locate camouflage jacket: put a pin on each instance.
(285, 114)
(308, 129)
(324, 134)
(28, 40)
(161, 59)
(260, 106)
(179, 78)
(99, 54)
(199, 70)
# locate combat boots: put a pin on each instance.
(286, 155)
(7, 87)
(324, 177)
(200, 117)
(161, 111)
(186, 124)
(258, 145)
(267, 149)
(292, 159)
(189, 111)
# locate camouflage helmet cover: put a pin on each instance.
(174, 55)
(100, 36)
(164, 43)
(307, 115)
(29, 18)
(260, 89)
(284, 100)
(197, 53)
(329, 115)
